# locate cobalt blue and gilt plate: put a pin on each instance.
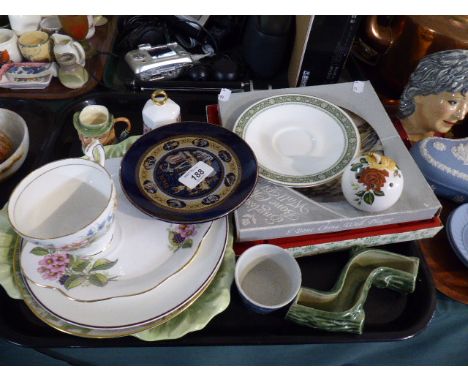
(188, 172)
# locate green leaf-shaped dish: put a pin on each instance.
(342, 308)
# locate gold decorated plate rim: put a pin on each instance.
(68, 326)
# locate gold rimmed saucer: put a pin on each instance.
(204, 270)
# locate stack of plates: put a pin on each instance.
(175, 186)
(457, 232)
(152, 271)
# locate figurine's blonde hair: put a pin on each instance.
(444, 71)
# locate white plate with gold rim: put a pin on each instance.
(127, 315)
(144, 252)
(299, 140)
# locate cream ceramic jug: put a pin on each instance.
(65, 45)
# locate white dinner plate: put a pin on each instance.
(127, 315)
(299, 140)
(144, 252)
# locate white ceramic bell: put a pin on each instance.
(372, 183)
(158, 111)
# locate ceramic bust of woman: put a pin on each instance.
(435, 97)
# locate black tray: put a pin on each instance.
(40, 121)
(389, 315)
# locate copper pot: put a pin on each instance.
(390, 47)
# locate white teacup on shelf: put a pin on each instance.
(50, 24)
(66, 205)
(24, 23)
(9, 42)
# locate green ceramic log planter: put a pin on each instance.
(342, 308)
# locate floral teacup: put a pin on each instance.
(66, 205)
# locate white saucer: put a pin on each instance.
(144, 252)
(299, 140)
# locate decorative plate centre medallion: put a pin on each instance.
(160, 179)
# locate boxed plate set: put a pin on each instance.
(285, 209)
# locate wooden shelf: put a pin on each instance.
(103, 41)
